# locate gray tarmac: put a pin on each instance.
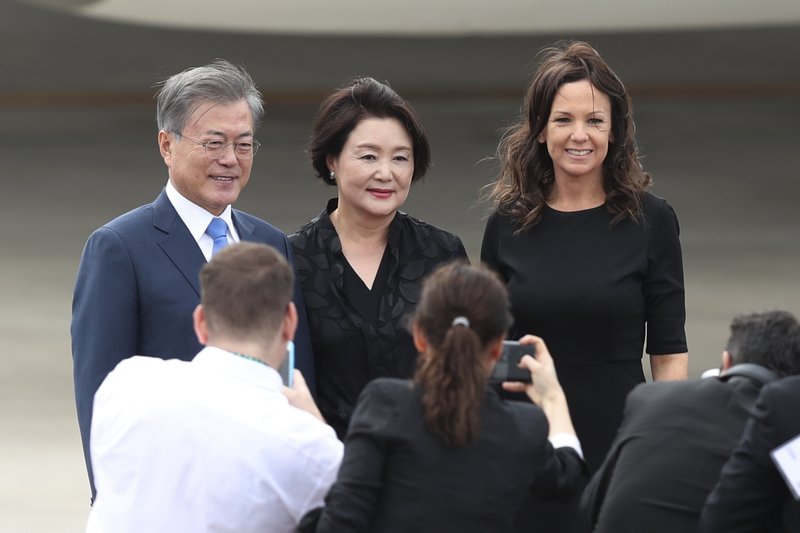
(725, 158)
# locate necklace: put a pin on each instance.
(250, 358)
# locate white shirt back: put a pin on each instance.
(206, 446)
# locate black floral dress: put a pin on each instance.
(354, 342)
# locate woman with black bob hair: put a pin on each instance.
(361, 261)
(444, 452)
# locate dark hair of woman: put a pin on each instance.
(452, 373)
(342, 111)
(526, 174)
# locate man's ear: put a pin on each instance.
(200, 324)
(420, 342)
(289, 325)
(165, 146)
(727, 360)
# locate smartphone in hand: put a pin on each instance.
(507, 368)
(286, 370)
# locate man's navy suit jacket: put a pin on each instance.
(137, 286)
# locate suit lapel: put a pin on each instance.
(177, 242)
(245, 229)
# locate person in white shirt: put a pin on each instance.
(214, 445)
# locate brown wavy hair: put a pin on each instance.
(526, 174)
(452, 372)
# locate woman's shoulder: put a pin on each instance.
(389, 387)
(320, 227)
(524, 422)
(382, 401)
(657, 212)
(498, 220)
(423, 230)
(653, 204)
(303, 231)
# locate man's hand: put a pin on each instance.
(300, 397)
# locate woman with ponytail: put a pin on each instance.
(443, 452)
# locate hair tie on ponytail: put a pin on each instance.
(460, 321)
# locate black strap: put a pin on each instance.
(757, 373)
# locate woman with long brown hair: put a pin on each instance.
(592, 260)
(443, 452)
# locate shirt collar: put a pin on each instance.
(195, 217)
(253, 372)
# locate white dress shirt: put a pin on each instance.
(197, 219)
(210, 445)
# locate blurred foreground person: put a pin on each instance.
(754, 493)
(444, 452)
(213, 445)
(676, 436)
(361, 261)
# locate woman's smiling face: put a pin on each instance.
(373, 172)
(578, 131)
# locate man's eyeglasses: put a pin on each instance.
(216, 149)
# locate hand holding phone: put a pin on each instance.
(300, 397)
(507, 366)
(286, 370)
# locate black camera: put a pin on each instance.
(507, 368)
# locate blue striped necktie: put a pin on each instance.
(218, 230)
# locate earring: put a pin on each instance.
(333, 175)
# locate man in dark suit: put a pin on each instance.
(752, 495)
(138, 282)
(675, 436)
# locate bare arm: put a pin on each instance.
(670, 367)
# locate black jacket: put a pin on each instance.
(668, 454)
(751, 495)
(397, 476)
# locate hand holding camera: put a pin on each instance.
(543, 387)
(528, 367)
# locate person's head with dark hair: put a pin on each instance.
(246, 292)
(770, 339)
(207, 117)
(347, 108)
(557, 137)
(458, 327)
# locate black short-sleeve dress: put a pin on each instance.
(594, 292)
